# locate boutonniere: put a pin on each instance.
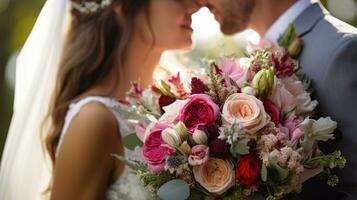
(291, 42)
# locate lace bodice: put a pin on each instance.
(127, 187)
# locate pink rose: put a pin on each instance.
(247, 110)
(154, 150)
(199, 110)
(273, 111)
(216, 175)
(199, 155)
(235, 69)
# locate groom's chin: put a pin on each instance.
(230, 27)
(231, 30)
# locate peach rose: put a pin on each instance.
(247, 110)
(216, 175)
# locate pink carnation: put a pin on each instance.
(199, 155)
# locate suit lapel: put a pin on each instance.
(307, 20)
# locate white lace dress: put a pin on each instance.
(127, 187)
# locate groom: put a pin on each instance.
(329, 58)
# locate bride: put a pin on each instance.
(108, 44)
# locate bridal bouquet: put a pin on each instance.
(245, 128)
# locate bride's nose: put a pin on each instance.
(191, 6)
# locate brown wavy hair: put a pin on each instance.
(95, 45)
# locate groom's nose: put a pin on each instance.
(192, 6)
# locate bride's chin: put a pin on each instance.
(182, 43)
(187, 44)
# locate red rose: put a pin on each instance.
(248, 170)
(199, 110)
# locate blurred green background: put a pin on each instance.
(18, 16)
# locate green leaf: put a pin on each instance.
(264, 173)
(131, 141)
(288, 37)
(174, 190)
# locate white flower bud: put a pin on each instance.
(199, 137)
(171, 137)
(181, 129)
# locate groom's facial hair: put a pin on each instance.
(236, 15)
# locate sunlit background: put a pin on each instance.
(18, 16)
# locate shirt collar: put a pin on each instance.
(288, 17)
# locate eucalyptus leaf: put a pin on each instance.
(264, 173)
(174, 190)
(131, 141)
(148, 99)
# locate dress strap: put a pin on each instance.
(75, 108)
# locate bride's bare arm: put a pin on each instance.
(84, 164)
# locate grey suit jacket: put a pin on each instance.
(329, 58)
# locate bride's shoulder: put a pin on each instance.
(96, 123)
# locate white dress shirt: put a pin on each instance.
(288, 17)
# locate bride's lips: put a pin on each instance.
(187, 27)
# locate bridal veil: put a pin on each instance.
(24, 172)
